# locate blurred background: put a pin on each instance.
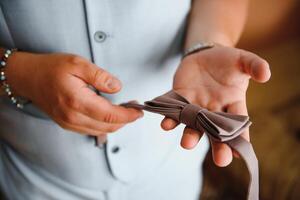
(273, 32)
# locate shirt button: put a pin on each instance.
(115, 149)
(100, 36)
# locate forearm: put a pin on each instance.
(216, 21)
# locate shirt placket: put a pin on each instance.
(100, 28)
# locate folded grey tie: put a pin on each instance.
(219, 126)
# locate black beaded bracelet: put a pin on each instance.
(3, 78)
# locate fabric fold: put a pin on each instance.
(219, 126)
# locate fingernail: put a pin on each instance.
(113, 83)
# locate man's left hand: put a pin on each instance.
(217, 79)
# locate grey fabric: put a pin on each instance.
(40, 160)
(219, 126)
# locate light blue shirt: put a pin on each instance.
(138, 41)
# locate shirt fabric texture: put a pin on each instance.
(140, 42)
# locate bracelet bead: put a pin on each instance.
(2, 76)
(5, 85)
(2, 63)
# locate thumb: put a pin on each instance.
(101, 79)
(255, 66)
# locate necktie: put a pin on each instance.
(219, 126)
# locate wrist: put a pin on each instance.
(6, 87)
(217, 38)
(18, 70)
(197, 47)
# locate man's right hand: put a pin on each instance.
(58, 84)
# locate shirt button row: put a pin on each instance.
(100, 36)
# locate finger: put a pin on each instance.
(101, 79)
(214, 105)
(222, 154)
(168, 124)
(101, 109)
(83, 122)
(255, 66)
(101, 139)
(190, 138)
(79, 129)
(239, 108)
(235, 153)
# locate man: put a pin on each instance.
(126, 50)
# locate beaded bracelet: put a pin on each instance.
(3, 79)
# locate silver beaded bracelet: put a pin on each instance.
(3, 78)
(198, 47)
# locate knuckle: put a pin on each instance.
(110, 118)
(72, 102)
(213, 105)
(100, 76)
(69, 117)
(75, 60)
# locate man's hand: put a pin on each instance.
(58, 84)
(217, 79)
